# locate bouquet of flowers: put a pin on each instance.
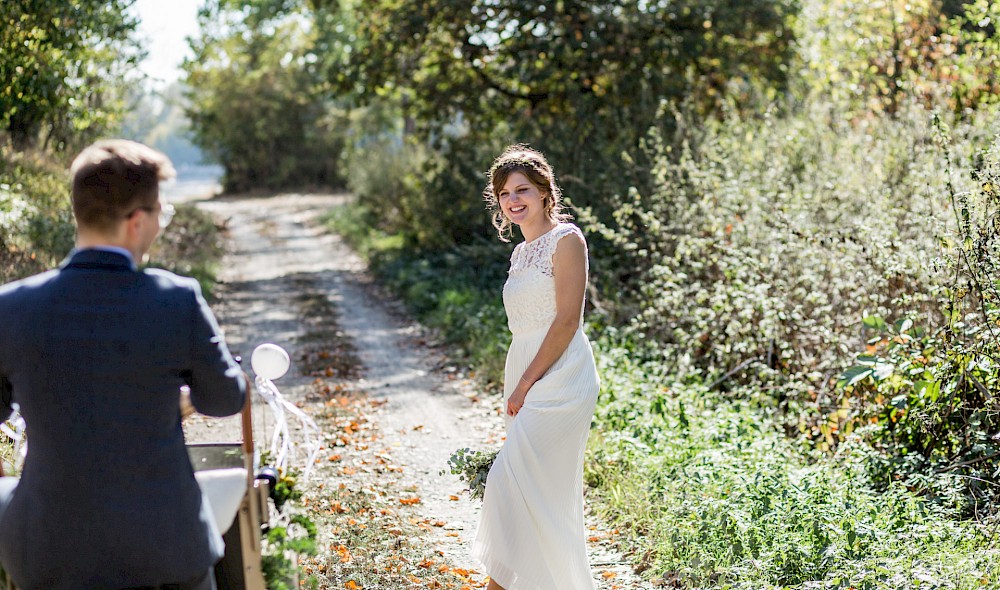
(472, 467)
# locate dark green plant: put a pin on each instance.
(710, 493)
(744, 255)
(924, 395)
(289, 534)
(925, 421)
(36, 220)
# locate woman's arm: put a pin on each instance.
(569, 269)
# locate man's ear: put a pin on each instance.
(133, 223)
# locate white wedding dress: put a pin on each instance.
(531, 533)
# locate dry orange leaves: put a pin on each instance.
(344, 553)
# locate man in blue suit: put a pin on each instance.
(95, 354)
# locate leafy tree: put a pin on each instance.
(63, 63)
(867, 56)
(494, 60)
(258, 102)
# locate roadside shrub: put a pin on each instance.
(927, 419)
(192, 245)
(36, 218)
(927, 392)
(427, 192)
(747, 248)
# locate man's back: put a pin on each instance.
(96, 353)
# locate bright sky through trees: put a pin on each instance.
(164, 26)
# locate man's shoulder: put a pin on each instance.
(23, 287)
(168, 281)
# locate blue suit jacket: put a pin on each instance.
(95, 354)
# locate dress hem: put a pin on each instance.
(501, 573)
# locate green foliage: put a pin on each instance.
(875, 56)
(747, 247)
(928, 394)
(430, 197)
(290, 534)
(472, 467)
(258, 105)
(297, 536)
(36, 219)
(715, 496)
(285, 490)
(63, 64)
(976, 35)
(928, 419)
(887, 51)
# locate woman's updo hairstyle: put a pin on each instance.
(530, 162)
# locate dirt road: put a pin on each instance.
(289, 282)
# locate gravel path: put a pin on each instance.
(424, 408)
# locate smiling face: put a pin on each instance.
(521, 189)
(521, 201)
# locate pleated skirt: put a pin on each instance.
(531, 532)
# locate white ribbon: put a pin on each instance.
(282, 446)
(13, 428)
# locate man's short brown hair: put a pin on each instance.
(112, 178)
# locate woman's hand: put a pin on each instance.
(516, 399)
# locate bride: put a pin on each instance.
(531, 533)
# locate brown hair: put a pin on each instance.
(530, 162)
(112, 178)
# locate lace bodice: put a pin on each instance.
(529, 295)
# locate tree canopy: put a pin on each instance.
(64, 63)
(586, 78)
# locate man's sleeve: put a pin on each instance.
(216, 380)
(6, 398)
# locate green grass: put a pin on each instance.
(714, 497)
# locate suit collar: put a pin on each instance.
(98, 258)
